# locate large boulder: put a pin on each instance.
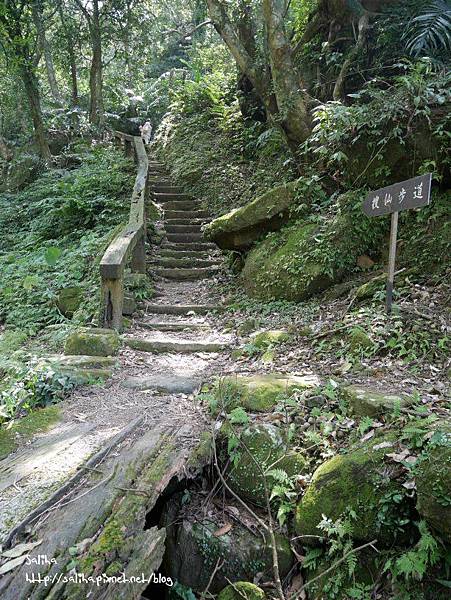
(240, 228)
(259, 393)
(194, 544)
(357, 481)
(433, 481)
(262, 447)
(263, 339)
(308, 257)
(93, 342)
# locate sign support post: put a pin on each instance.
(391, 261)
(412, 193)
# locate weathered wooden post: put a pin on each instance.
(411, 193)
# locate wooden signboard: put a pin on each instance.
(413, 193)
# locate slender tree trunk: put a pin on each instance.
(71, 56)
(288, 87)
(34, 103)
(96, 115)
(50, 68)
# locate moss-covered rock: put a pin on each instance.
(194, 545)
(359, 341)
(433, 481)
(239, 229)
(93, 342)
(259, 393)
(69, 300)
(23, 430)
(263, 339)
(308, 257)
(356, 481)
(262, 446)
(242, 590)
(368, 289)
(365, 402)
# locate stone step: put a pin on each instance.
(179, 346)
(201, 246)
(185, 237)
(182, 228)
(196, 254)
(186, 274)
(179, 205)
(164, 188)
(169, 215)
(172, 384)
(181, 309)
(185, 221)
(175, 326)
(162, 198)
(189, 262)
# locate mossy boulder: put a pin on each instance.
(359, 341)
(263, 339)
(242, 590)
(263, 446)
(93, 342)
(240, 228)
(194, 545)
(366, 402)
(307, 257)
(69, 300)
(368, 289)
(433, 481)
(356, 481)
(259, 393)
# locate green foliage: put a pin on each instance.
(28, 387)
(51, 236)
(430, 31)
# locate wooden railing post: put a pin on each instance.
(131, 242)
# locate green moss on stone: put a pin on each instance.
(23, 430)
(359, 340)
(242, 590)
(263, 339)
(238, 229)
(364, 402)
(93, 342)
(263, 446)
(433, 481)
(69, 300)
(347, 481)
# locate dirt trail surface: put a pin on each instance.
(134, 432)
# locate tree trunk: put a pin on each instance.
(51, 76)
(34, 103)
(96, 115)
(288, 87)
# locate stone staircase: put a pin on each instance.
(184, 254)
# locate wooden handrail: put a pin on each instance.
(130, 243)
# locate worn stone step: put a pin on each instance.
(164, 188)
(163, 198)
(182, 309)
(195, 254)
(173, 326)
(179, 346)
(172, 384)
(185, 221)
(184, 237)
(178, 205)
(187, 262)
(182, 228)
(186, 274)
(184, 214)
(202, 246)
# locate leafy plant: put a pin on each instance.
(430, 31)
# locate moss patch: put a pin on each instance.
(93, 342)
(242, 590)
(365, 402)
(23, 430)
(349, 481)
(263, 339)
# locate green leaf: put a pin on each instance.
(30, 282)
(238, 416)
(52, 255)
